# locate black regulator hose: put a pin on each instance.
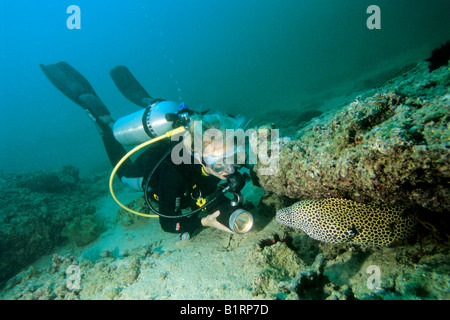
(235, 183)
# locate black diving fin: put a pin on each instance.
(130, 87)
(73, 85)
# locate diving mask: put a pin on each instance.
(218, 165)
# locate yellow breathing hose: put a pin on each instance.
(139, 147)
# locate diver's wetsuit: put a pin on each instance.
(175, 186)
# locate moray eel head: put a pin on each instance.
(284, 217)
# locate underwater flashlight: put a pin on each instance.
(231, 215)
(240, 221)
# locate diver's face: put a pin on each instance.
(214, 164)
(221, 175)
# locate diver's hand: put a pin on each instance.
(211, 221)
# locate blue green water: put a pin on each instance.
(250, 57)
(238, 56)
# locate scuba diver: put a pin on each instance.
(179, 190)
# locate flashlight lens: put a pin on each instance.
(241, 221)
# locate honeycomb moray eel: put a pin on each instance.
(345, 221)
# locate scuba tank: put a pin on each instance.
(146, 124)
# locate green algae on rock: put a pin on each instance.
(389, 146)
(82, 230)
(34, 213)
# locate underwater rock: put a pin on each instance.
(439, 57)
(32, 221)
(404, 274)
(390, 146)
(269, 204)
(65, 180)
(82, 230)
(282, 264)
(126, 218)
(309, 283)
(103, 279)
(281, 257)
(287, 277)
(419, 271)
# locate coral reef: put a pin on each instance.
(390, 145)
(344, 273)
(387, 147)
(63, 181)
(83, 230)
(35, 209)
(104, 280)
(283, 273)
(126, 218)
(235, 267)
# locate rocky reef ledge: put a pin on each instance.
(41, 211)
(390, 145)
